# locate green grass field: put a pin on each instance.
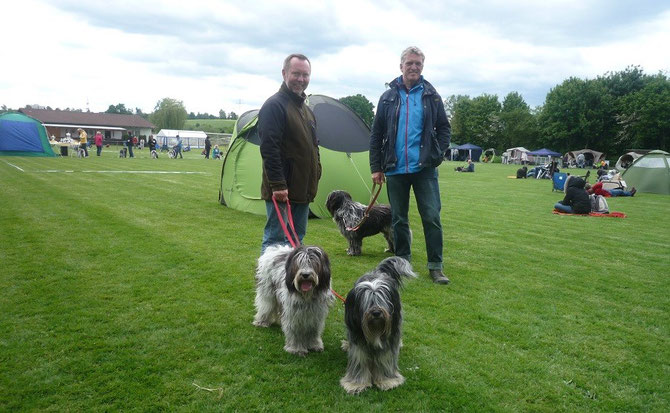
(210, 125)
(127, 286)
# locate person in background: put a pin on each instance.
(470, 167)
(98, 142)
(208, 147)
(576, 200)
(129, 144)
(410, 135)
(83, 141)
(290, 151)
(216, 153)
(178, 147)
(598, 189)
(152, 143)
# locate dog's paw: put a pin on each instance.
(353, 253)
(345, 345)
(297, 351)
(354, 387)
(388, 383)
(259, 323)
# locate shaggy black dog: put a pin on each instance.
(348, 213)
(373, 316)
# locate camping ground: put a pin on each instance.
(127, 286)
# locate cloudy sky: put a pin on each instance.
(225, 54)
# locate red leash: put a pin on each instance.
(366, 214)
(288, 235)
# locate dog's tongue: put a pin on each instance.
(305, 286)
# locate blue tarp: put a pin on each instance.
(19, 136)
(545, 152)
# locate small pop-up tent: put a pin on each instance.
(21, 135)
(470, 151)
(649, 173)
(344, 141)
(626, 160)
(591, 157)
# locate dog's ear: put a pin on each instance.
(324, 267)
(290, 269)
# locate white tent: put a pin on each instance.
(513, 155)
(190, 138)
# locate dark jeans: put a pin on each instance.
(274, 233)
(427, 194)
(85, 148)
(207, 153)
(99, 149)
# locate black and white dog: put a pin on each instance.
(293, 287)
(154, 154)
(373, 316)
(347, 213)
(123, 152)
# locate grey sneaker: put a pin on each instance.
(438, 277)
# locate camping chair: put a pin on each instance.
(558, 181)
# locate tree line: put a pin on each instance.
(611, 113)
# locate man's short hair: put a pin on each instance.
(411, 50)
(287, 61)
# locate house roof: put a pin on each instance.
(87, 119)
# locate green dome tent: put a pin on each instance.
(344, 141)
(21, 135)
(649, 173)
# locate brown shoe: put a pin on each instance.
(633, 191)
(438, 277)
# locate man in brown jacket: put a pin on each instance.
(290, 151)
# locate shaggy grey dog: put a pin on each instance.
(293, 288)
(347, 213)
(373, 316)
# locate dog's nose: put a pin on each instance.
(376, 313)
(305, 275)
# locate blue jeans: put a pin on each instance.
(564, 208)
(427, 194)
(99, 149)
(273, 233)
(619, 192)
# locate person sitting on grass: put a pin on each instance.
(576, 200)
(470, 167)
(216, 153)
(598, 189)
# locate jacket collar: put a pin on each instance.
(297, 99)
(428, 89)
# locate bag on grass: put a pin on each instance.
(599, 204)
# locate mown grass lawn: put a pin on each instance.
(127, 286)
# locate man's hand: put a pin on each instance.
(281, 196)
(378, 178)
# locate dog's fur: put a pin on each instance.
(347, 213)
(154, 154)
(293, 287)
(123, 152)
(373, 317)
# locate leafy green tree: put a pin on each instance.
(475, 120)
(518, 124)
(578, 114)
(361, 106)
(644, 119)
(232, 115)
(119, 109)
(222, 114)
(169, 114)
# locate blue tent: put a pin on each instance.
(545, 152)
(21, 135)
(468, 150)
(542, 155)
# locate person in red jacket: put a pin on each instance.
(598, 189)
(98, 141)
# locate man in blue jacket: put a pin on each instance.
(410, 136)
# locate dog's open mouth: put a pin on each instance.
(306, 286)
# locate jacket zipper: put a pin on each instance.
(406, 132)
